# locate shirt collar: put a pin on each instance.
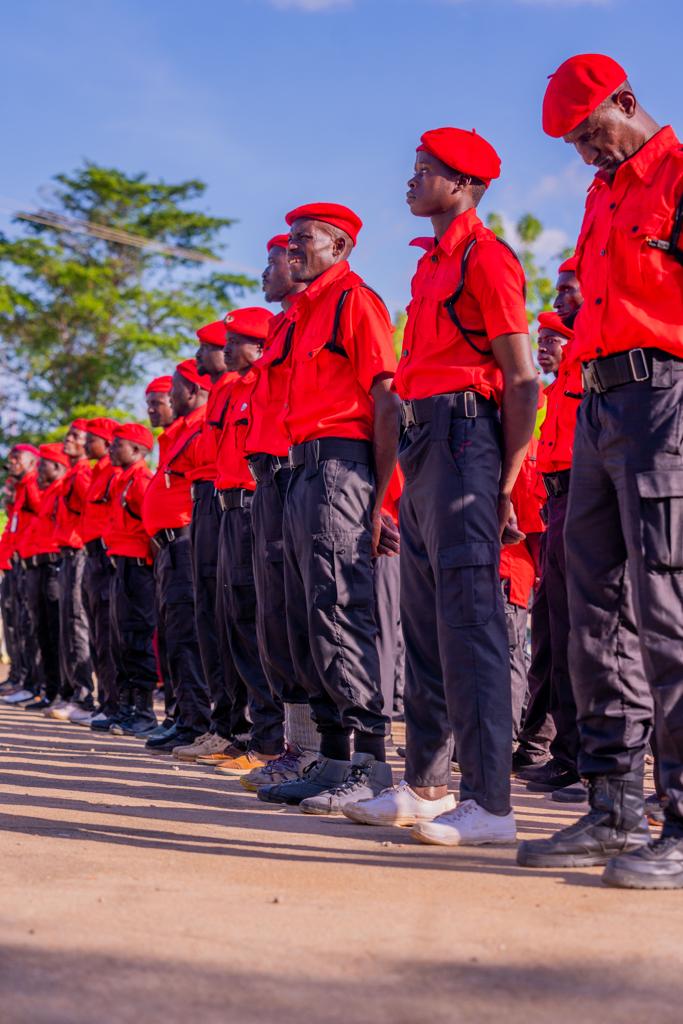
(327, 278)
(461, 227)
(644, 162)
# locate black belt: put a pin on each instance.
(70, 552)
(195, 489)
(635, 365)
(464, 405)
(264, 466)
(129, 558)
(345, 448)
(234, 497)
(165, 537)
(94, 547)
(556, 484)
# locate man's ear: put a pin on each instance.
(626, 102)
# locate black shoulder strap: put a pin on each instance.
(174, 472)
(125, 505)
(333, 345)
(470, 333)
(286, 348)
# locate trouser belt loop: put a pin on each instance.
(311, 459)
(443, 407)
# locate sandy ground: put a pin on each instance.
(135, 890)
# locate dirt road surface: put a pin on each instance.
(137, 890)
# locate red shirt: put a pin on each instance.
(98, 510)
(266, 432)
(436, 358)
(23, 510)
(72, 495)
(233, 470)
(6, 549)
(168, 502)
(329, 392)
(41, 538)
(393, 494)
(632, 292)
(206, 448)
(127, 534)
(556, 444)
(516, 562)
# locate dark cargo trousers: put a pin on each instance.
(23, 640)
(269, 579)
(132, 623)
(236, 575)
(538, 727)
(516, 623)
(174, 600)
(387, 572)
(97, 577)
(625, 525)
(330, 594)
(42, 592)
(457, 661)
(8, 623)
(227, 720)
(75, 666)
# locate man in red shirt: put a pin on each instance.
(266, 443)
(228, 698)
(43, 559)
(342, 421)
(167, 513)
(76, 704)
(625, 494)
(132, 588)
(97, 574)
(22, 462)
(465, 343)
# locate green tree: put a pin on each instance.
(540, 290)
(83, 312)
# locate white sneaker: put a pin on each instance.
(61, 711)
(468, 825)
(18, 697)
(80, 716)
(398, 805)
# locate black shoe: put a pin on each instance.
(556, 777)
(521, 760)
(173, 738)
(656, 865)
(571, 795)
(614, 825)
(140, 725)
(38, 704)
(540, 770)
(163, 730)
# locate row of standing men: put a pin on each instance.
(289, 460)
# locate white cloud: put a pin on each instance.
(309, 6)
(572, 180)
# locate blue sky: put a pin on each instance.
(278, 102)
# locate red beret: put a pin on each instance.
(462, 151)
(569, 266)
(280, 240)
(213, 334)
(576, 89)
(252, 321)
(79, 424)
(136, 433)
(329, 213)
(162, 385)
(30, 448)
(551, 321)
(54, 453)
(425, 242)
(102, 426)
(188, 370)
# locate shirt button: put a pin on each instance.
(404, 352)
(598, 302)
(603, 252)
(612, 206)
(598, 350)
(634, 228)
(435, 259)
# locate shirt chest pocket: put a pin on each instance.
(640, 265)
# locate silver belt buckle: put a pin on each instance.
(470, 405)
(290, 460)
(591, 379)
(633, 356)
(408, 413)
(221, 500)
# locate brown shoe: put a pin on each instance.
(228, 752)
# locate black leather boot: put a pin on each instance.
(614, 825)
(656, 865)
(143, 720)
(125, 711)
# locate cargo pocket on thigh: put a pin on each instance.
(243, 592)
(661, 518)
(468, 583)
(353, 570)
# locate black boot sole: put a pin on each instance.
(620, 878)
(529, 859)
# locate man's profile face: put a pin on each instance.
(276, 279)
(95, 446)
(48, 472)
(313, 249)
(549, 350)
(74, 443)
(210, 360)
(603, 139)
(430, 189)
(569, 299)
(20, 463)
(159, 408)
(241, 351)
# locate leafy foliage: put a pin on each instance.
(83, 317)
